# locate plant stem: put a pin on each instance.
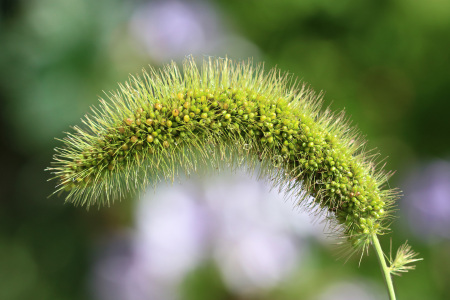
(384, 267)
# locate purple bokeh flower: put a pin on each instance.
(427, 200)
(255, 237)
(170, 30)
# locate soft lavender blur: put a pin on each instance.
(427, 200)
(170, 30)
(253, 234)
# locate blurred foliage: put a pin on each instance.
(386, 62)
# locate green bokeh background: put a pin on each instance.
(386, 62)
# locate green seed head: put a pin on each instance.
(247, 114)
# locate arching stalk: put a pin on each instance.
(384, 268)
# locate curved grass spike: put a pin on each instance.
(227, 113)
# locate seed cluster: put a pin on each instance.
(171, 120)
(336, 179)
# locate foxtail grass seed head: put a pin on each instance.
(222, 113)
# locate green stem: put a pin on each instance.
(384, 267)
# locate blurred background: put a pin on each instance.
(225, 237)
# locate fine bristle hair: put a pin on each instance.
(233, 114)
